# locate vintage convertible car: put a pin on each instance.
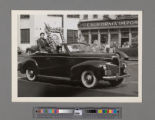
(75, 61)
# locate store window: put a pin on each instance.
(25, 36)
(134, 37)
(104, 38)
(72, 36)
(125, 34)
(114, 37)
(94, 37)
(125, 37)
(114, 40)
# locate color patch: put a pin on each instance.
(105, 111)
(115, 111)
(91, 111)
(49, 110)
(100, 111)
(53, 111)
(38, 111)
(110, 111)
(57, 110)
(41, 111)
(45, 111)
(65, 111)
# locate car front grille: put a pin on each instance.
(113, 70)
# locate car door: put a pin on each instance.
(43, 61)
(57, 64)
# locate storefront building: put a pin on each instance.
(119, 32)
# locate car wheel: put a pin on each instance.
(114, 83)
(31, 74)
(88, 79)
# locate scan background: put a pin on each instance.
(131, 111)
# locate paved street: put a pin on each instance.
(61, 88)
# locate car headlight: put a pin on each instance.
(124, 65)
(125, 68)
(103, 66)
(106, 71)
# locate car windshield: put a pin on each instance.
(79, 47)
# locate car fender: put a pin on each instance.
(122, 54)
(26, 63)
(93, 65)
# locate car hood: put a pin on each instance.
(93, 54)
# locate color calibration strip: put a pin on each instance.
(54, 111)
(103, 111)
(108, 111)
(81, 113)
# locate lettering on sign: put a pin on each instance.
(108, 23)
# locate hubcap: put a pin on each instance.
(88, 79)
(30, 74)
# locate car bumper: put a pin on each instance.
(114, 77)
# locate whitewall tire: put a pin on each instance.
(31, 74)
(88, 79)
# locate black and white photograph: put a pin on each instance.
(76, 56)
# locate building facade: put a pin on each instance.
(120, 32)
(30, 27)
(79, 28)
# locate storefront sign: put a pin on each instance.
(107, 23)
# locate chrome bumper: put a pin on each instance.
(114, 77)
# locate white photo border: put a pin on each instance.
(14, 23)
